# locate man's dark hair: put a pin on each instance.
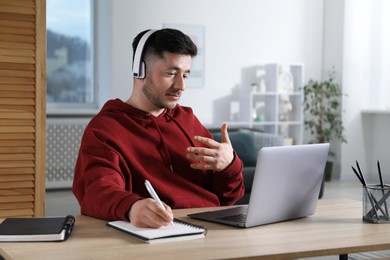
(169, 40)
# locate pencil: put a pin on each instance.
(382, 186)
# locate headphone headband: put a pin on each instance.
(138, 64)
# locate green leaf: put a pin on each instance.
(322, 104)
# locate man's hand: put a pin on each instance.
(148, 213)
(217, 157)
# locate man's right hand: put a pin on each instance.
(148, 213)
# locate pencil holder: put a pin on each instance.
(376, 202)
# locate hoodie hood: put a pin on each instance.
(177, 118)
(117, 105)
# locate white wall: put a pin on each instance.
(367, 133)
(237, 34)
(356, 84)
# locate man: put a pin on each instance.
(151, 137)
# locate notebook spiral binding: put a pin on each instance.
(68, 225)
(176, 220)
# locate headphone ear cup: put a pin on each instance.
(138, 64)
(142, 72)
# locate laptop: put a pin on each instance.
(286, 186)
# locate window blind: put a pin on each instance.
(22, 107)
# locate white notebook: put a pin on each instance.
(180, 231)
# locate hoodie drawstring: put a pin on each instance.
(181, 128)
(163, 144)
(165, 147)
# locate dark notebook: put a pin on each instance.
(36, 229)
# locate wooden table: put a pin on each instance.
(335, 229)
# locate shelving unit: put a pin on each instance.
(271, 100)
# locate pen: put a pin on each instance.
(154, 195)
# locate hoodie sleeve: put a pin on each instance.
(99, 183)
(229, 183)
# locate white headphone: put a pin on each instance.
(138, 64)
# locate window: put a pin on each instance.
(70, 79)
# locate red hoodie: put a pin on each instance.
(123, 146)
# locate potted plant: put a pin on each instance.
(322, 104)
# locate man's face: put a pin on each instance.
(164, 81)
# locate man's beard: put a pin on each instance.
(154, 98)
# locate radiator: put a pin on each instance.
(63, 136)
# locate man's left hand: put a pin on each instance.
(216, 157)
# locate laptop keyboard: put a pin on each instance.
(239, 218)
